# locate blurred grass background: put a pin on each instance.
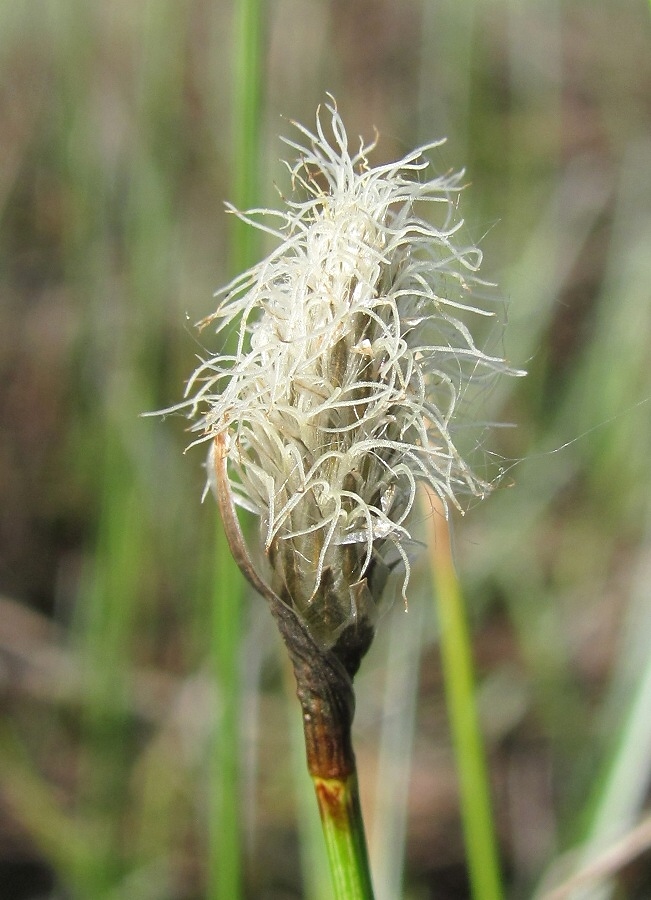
(116, 147)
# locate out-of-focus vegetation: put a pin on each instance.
(115, 146)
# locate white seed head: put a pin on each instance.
(354, 349)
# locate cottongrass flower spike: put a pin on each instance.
(354, 350)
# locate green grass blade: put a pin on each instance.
(388, 837)
(481, 844)
(225, 876)
(246, 125)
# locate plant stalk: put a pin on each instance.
(225, 876)
(324, 686)
(343, 830)
(456, 656)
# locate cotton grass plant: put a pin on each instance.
(354, 352)
(116, 159)
(351, 359)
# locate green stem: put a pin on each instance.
(343, 829)
(324, 686)
(225, 875)
(456, 655)
(246, 125)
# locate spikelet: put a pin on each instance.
(354, 350)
